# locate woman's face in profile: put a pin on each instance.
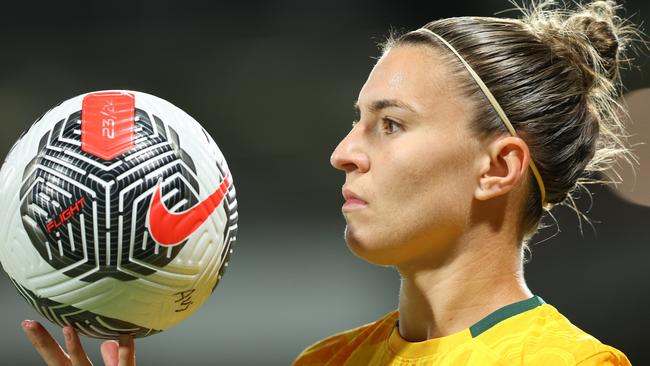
(410, 160)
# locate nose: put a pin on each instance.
(350, 154)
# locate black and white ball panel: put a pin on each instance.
(78, 248)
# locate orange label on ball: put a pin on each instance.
(107, 123)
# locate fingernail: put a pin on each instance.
(26, 324)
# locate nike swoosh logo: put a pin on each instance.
(169, 228)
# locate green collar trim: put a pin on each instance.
(505, 313)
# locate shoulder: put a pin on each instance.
(546, 337)
(341, 344)
(608, 356)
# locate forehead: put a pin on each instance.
(416, 75)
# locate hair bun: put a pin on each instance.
(596, 22)
(592, 38)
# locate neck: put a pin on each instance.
(439, 299)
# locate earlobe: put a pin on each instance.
(505, 167)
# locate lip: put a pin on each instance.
(352, 200)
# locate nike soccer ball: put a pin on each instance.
(118, 214)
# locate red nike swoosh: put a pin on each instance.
(169, 228)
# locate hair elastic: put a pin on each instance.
(496, 107)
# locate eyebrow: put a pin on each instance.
(378, 105)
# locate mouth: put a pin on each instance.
(352, 200)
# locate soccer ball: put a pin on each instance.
(119, 214)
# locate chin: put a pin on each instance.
(368, 249)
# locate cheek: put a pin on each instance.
(428, 180)
(417, 204)
(432, 203)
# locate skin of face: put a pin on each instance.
(412, 165)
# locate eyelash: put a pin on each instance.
(384, 123)
(387, 122)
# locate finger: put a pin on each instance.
(75, 350)
(110, 353)
(127, 351)
(45, 345)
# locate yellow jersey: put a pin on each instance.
(529, 332)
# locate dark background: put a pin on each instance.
(274, 83)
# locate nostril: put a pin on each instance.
(349, 167)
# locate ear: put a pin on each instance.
(503, 168)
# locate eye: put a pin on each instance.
(390, 126)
